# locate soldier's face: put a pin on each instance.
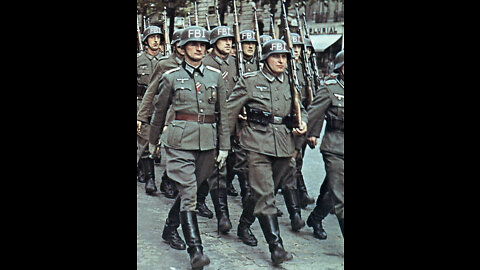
(309, 51)
(153, 42)
(224, 45)
(249, 48)
(296, 50)
(195, 50)
(277, 62)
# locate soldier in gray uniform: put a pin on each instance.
(221, 39)
(145, 111)
(300, 145)
(249, 45)
(329, 105)
(146, 61)
(197, 95)
(268, 140)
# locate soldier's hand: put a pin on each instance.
(222, 158)
(139, 126)
(312, 142)
(302, 129)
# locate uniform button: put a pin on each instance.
(201, 110)
(261, 95)
(200, 101)
(276, 128)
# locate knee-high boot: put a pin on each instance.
(150, 186)
(246, 220)
(291, 201)
(170, 233)
(188, 219)
(219, 198)
(323, 208)
(271, 231)
(303, 197)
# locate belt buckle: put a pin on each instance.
(277, 119)
(201, 118)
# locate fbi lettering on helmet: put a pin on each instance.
(278, 46)
(197, 33)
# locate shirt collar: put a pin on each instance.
(270, 77)
(191, 70)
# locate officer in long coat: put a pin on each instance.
(197, 95)
(146, 62)
(268, 140)
(328, 106)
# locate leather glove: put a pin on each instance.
(222, 158)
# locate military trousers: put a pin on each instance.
(188, 169)
(334, 167)
(142, 138)
(266, 174)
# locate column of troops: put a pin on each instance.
(219, 103)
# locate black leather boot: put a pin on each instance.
(150, 186)
(245, 189)
(168, 187)
(340, 222)
(170, 233)
(271, 231)
(219, 198)
(188, 219)
(202, 208)
(291, 201)
(303, 198)
(246, 220)
(140, 171)
(231, 191)
(324, 207)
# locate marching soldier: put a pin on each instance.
(265, 38)
(221, 39)
(197, 95)
(146, 61)
(268, 141)
(303, 198)
(144, 114)
(329, 105)
(249, 45)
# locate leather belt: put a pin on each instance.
(200, 118)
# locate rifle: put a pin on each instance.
(196, 13)
(307, 72)
(313, 55)
(208, 23)
(139, 36)
(188, 16)
(257, 36)
(166, 33)
(272, 27)
(218, 16)
(292, 73)
(238, 44)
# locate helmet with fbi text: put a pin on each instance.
(193, 33)
(151, 30)
(220, 32)
(274, 46)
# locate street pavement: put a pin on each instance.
(228, 251)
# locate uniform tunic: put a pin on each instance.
(269, 147)
(329, 105)
(190, 145)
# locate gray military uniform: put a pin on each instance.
(145, 67)
(190, 144)
(328, 106)
(269, 146)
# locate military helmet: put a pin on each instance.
(308, 43)
(176, 36)
(247, 36)
(295, 39)
(193, 33)
(338, 62)
(151, 30)
(220, 32)
(265, 38)
(274, 46)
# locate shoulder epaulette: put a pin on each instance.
(213, 69)
(249, 74)
(171, 70)
(163, 58)
(330, 82)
